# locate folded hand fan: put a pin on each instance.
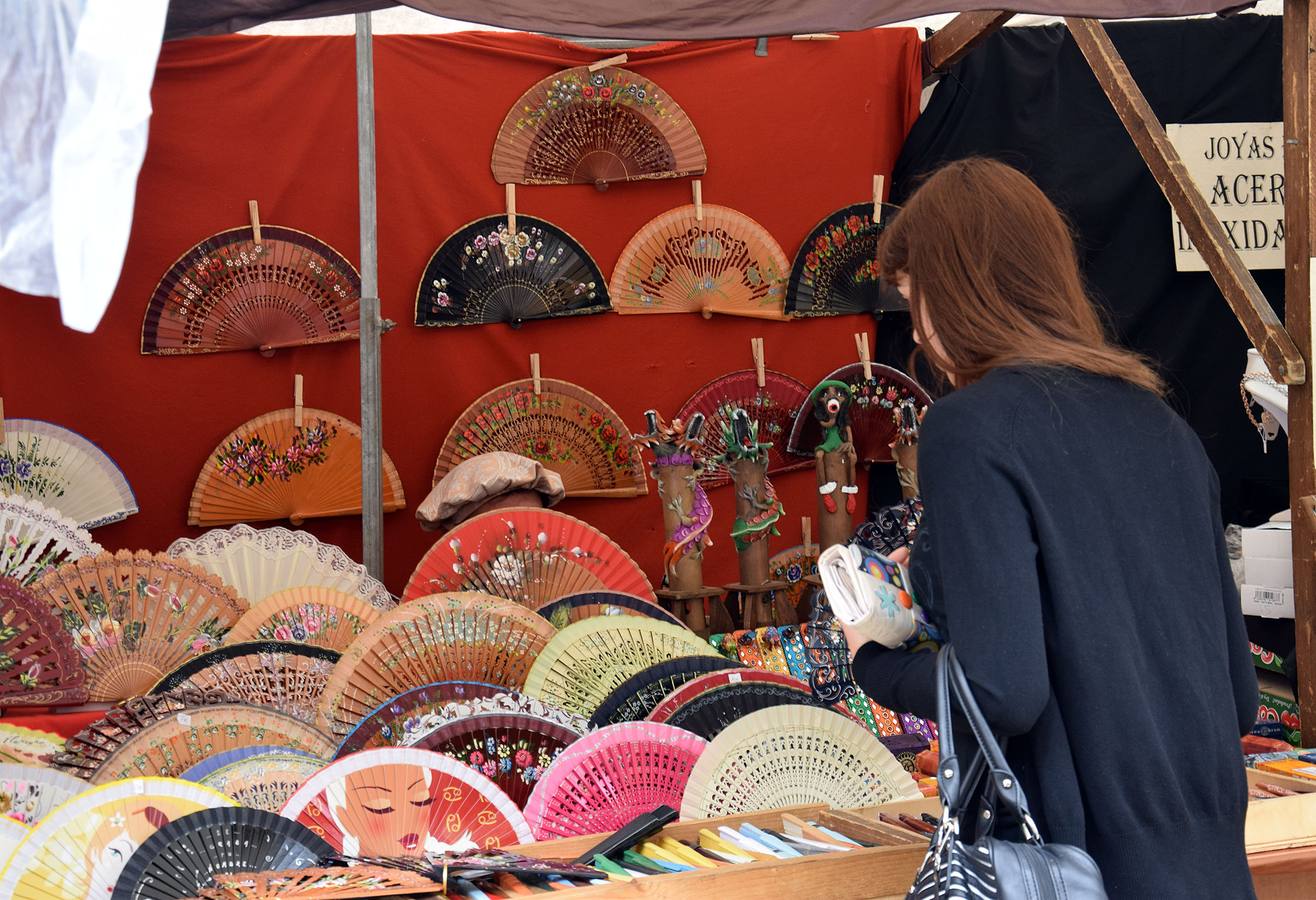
(231, 293)
(789, 755)
(530, 556)
(564, 427)
(402, 718)
(11, 835)
(38, 663)
(711, 712)
(575, 607)
(65, 471)
(836, 271)
(262, 780)
(593, 127)
(183, 856)
(271, 468)
(633, 699)
(447, 637)
(724, 262)
(607, 778)
(873, 408)
(80, 849)
(584, 662)
(480, 274)
(28, 746)
(792, 565)
(28, 793)
(502, 703)
(279, 675)
(683, 694)
(399, 801)
(319, 884)
(773, 406)
(35, 538)
(315, 616)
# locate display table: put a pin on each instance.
(1284, 874)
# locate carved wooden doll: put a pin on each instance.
(835, 462)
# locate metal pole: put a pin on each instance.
(372, 444)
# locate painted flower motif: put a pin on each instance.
(283, 633)
(530, 253)
(523, 758)
(595, 420)
(822, 243)
(587, 91)
(24, 470)
(608, 433)
(811, 260)
(490, 746)
(6, 467)
(529, 774)
(854, 223)
(794, 572)
(621, 455)
(201, 643)
(838, 237)
(541, 446)
(522, 239)
(606, 93)
(504, 764)
(490, 768)
(476, 758)
(495, 239)
(479, 242)
(312, 624)
(176, 604)
(298, 633)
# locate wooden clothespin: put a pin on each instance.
(861, 343)
(511, 211)
(756, 347)
(253, 209)
(618, 60)
(821, 36)
(697, 187)
(297, 400)
(534, 372)
(806, 529)
(878, 182)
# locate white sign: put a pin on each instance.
(1239, 168)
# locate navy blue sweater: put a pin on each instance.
(1073, 552)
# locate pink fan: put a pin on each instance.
(609, 777)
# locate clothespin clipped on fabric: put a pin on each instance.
(511, 210)
(253, 210)
(618, 60)
(534, 372)
(697, 188)
(861, 343)
(823, 36)
(297, 400)
(878, 182)
(760, 374)
(806, 531)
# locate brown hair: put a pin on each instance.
(993, 274)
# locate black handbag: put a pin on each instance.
(990, 868)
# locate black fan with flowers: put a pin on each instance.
(835, 271)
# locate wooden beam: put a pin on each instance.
(952, 43)
(1240, 289)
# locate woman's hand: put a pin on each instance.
(900, 556)
(853, 641)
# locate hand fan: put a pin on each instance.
(773, 406)
(136, 616)
(65, 471)
(480, 275)
(447, 637)
(836, 271)
(402, 718)
(230, 292)
(607, 778)
(712, 711)
(872, 411)
(175, 744)
(584, 662)
(563, 427)
(183, 856)
(502, 703)
(575, 607)
(28, 793)
(79, 850)
(28, 746)
(38, 663)
(11, 835)
(35, 538)
(399, 801)
(262, 780)
(261, 562)
(279, 675)
(511, 749)
(203, 769)
(683, 694)
(632, 700)
(724, 262)
(788, 755)
(269, 468)
(583, 127)
(530, 556)
(791, 566)
(319, 884)
(314, 616)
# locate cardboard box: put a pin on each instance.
(1269, 602)
(1268, 571)
(1274, 540)
(1278, 705)
(1282, 821)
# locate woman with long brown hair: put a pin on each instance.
(1072, 549)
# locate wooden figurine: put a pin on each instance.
(835, 461)
(757, 512)
(905, 448)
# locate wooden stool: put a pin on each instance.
(703, 611)
(762, 604)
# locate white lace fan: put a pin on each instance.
(63, 469)
(258, 562)
(35, 538)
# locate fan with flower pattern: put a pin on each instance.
(835, 272)
(39, 666)
(875, 401)
(35, 538)
(62, 469)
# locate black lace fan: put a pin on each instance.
(827, 655)
(636, 697)
(835, 271)
(482, 274)
(712, 711)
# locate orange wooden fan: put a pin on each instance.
(272, 467)
(702, 259)
(583, 127)
(562, 426)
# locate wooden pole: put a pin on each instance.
(957, 37)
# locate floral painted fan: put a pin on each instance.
(321, 617)
(773, 406)
(724, 262)
(136, 616)
(502, 703)
(835, 271)
(39, 666)
(232, 292)
(480, 275)
(285, 676)
(563, 427)
(400, 720)
(271, 468)
(35, 538)
(575, 607)
(873, 408)
(262, 780)
(792, 566)
(584, 127)
(634, 698)
(530, 556)
(29, 793)
(64, 470)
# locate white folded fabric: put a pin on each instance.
(873, 607)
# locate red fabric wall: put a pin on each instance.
(790, 137)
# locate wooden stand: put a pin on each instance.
(702, 610)
(762, 604)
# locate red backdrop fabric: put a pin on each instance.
(790, 137)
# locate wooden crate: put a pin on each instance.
(1282, 822)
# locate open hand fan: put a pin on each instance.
(261, 562)
(183, 856)
(724, 262)
(401, 719)
(262, 780)
(79, 850)
(28, 793)
(271, 468)
(202, 770)
(279, 675)
(11, 835)
(633, 699)
(792, 566)
(315, 616)
(38, 663)
(529, 556)
(607, 778)
(712, 711)
(28, 746)
(512, 703)
(789, 755)
(63, 470)
(683, 694)
(564, 428)
(583, 127)
(231, 293)
(446, 637)
(334, 883)
(872, 411)
(575, 607)
(35, 538)
(836, 272)
(399, 801)
(584, 662)
(481, 274)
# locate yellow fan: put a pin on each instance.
(307, 615)
(63, 470)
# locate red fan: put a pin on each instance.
(530, 556)
(875, 402)
(39, 666)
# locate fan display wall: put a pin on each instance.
(274, 119)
